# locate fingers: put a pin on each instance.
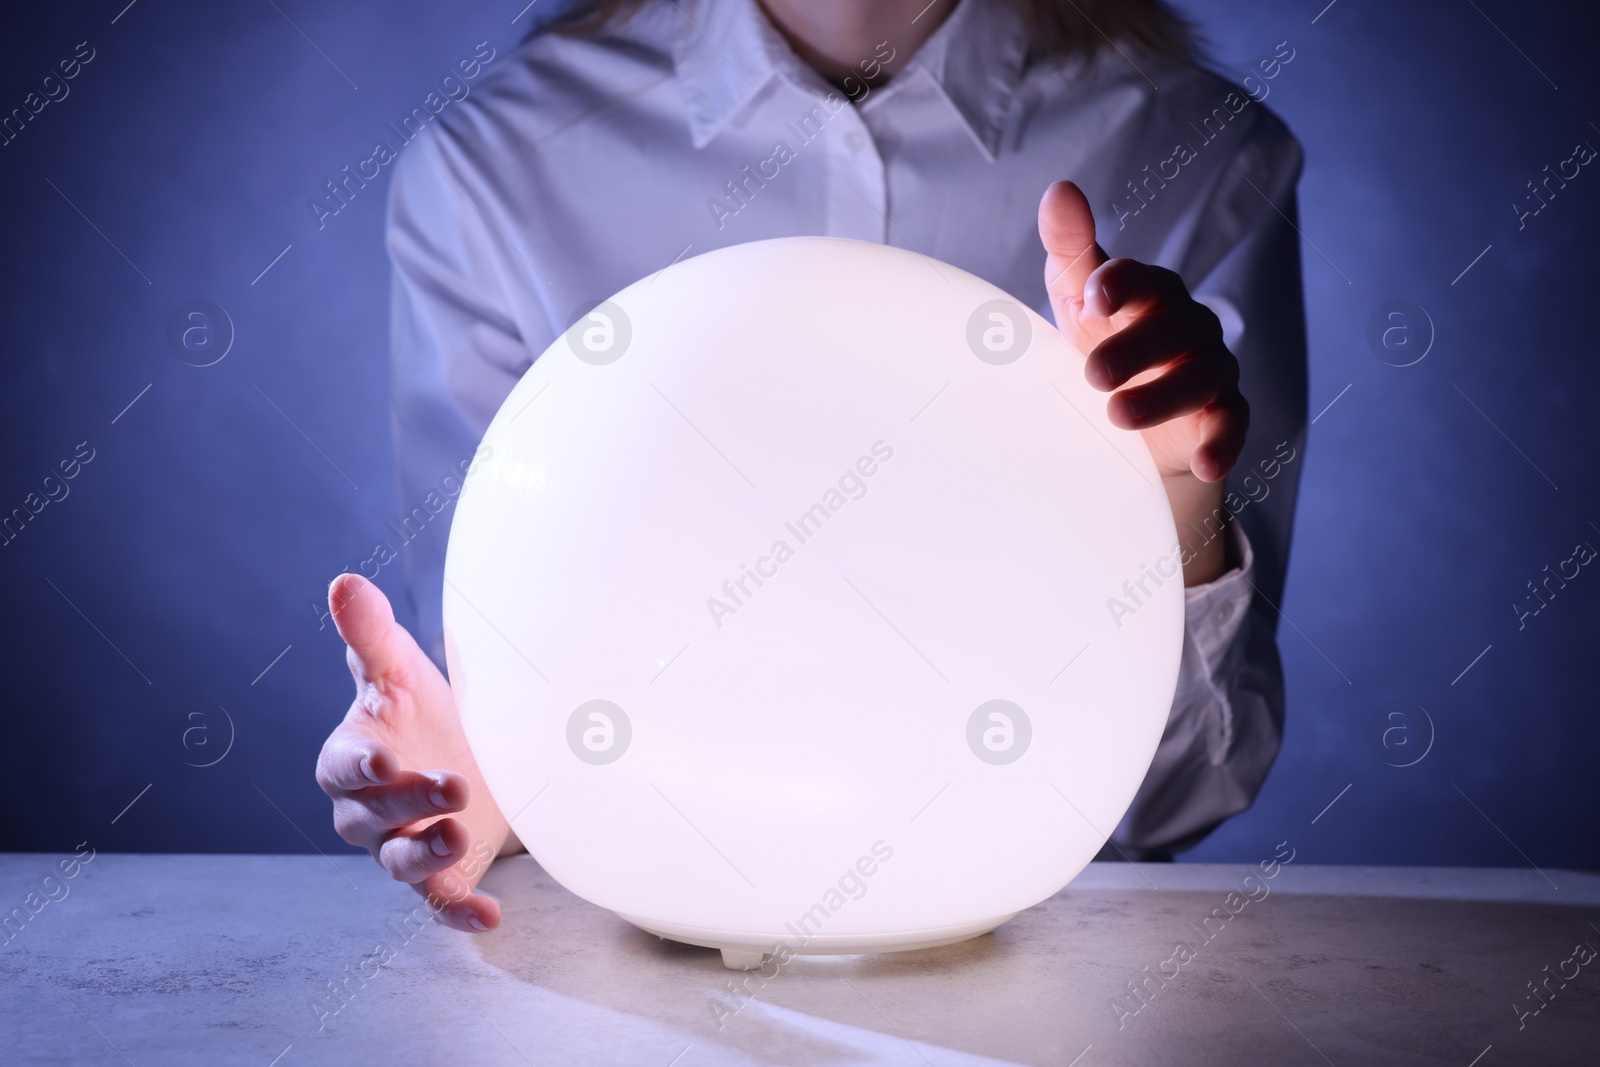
(414, 855)
(1189, 385)
(1143, 318)
(413, 796)
(366, 622)
(1166, 329)
(1222, 436)
(350, 760)
(455, 905)
(1178, 366)
(1151, 342)
(367, 816)
(1066, 228)
(434, 861)
(1129, 288)
(1182, 389)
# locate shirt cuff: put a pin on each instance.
(1214, 615)
(1195, 778)
(1215, 611)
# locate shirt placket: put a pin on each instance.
(858, 202)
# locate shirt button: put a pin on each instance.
(854, 141)
(1224, 613)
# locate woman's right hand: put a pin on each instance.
(403, 781)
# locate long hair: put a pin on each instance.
(1060, 29)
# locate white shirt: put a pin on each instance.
(577, 166)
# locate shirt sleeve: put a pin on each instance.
(1227, 715)
(1226, 723)
(456, 351)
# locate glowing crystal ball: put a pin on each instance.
(780, 612)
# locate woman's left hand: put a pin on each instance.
(1159, 349)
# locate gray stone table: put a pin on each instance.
(236, 959)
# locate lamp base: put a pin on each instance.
(744, 951)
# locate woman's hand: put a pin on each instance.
(403, 781)
(1160, 353)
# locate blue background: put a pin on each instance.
(189, 551)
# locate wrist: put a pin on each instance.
(1201, 519)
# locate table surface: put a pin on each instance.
(235, 959)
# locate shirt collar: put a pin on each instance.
(727, 51)
(975, 59)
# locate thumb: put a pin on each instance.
(1066, 228)
(366, 622)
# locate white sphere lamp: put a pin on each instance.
(806, 601)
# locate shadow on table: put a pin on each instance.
(1289, 978)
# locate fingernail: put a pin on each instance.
(1106, 304)
(367, 772)
(436, 798)
(436, 843)
(1107, 378)
(1135, 405)
(476, 923)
